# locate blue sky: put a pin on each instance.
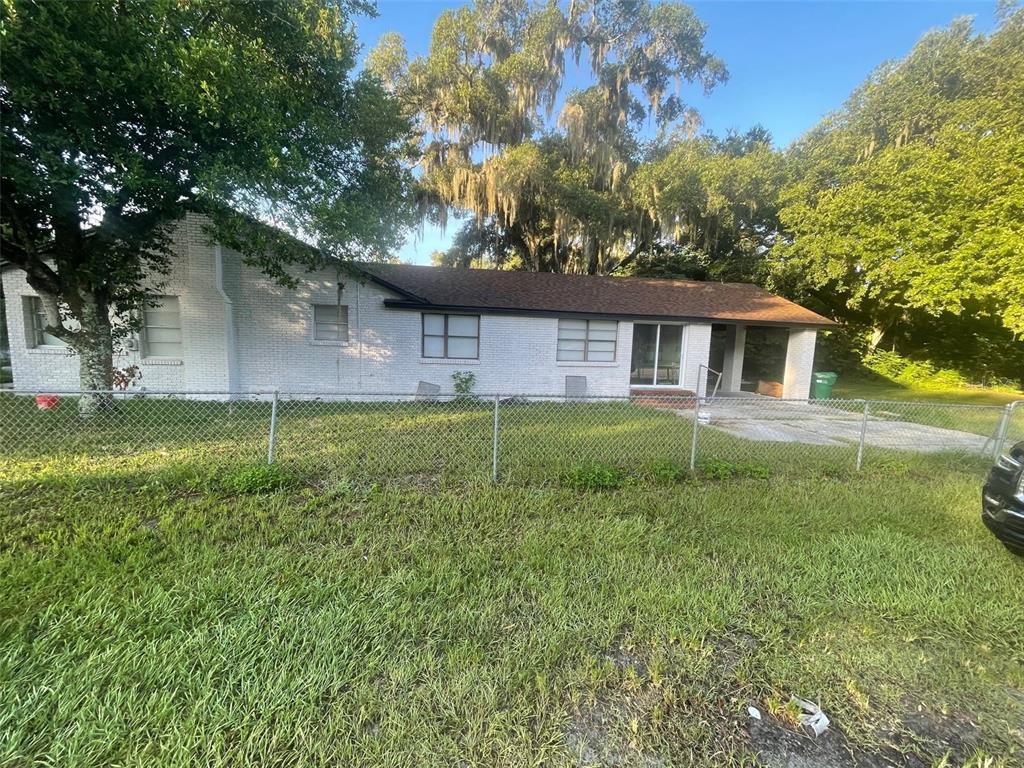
(790, 63)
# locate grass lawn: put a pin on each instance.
(392, 607)
(877, 388)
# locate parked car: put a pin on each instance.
(1002, 499)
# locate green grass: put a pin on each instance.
(414, 443)
(877, 388)
(387, 605)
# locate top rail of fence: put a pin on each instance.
(504, 395)
(446, 433)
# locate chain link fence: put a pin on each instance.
(325, 438)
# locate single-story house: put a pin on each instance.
(223, 326)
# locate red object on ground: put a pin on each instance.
(47, 402)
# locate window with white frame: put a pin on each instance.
(161, 328)
(587, 341)
(330, 322)
(35, 324)
(452, 336)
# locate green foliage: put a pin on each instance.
(120, 117)
(720, 469)
(903, 213)
(899, 215)
(841, 349)
(262, 478)
(920, 373)
(555, 192)
(463, 383)
(667, 471)
(595, 476)
(716, 197)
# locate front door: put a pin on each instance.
(657, 355)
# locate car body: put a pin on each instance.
(1002, 499)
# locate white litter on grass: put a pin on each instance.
(754, 712)
(812, 716)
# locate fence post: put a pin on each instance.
(863, 433)
(1004, 428)
(693, 435)
(494, 444)
(273, 429)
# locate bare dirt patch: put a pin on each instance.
(778, 746)
(603, 730)
(731, 649)
(613, 728)
(597, 735)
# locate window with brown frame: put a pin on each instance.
(591, 341)
(330, 322)
(451, 336)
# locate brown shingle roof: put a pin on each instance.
(548, 293)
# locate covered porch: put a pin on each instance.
(722, 359)
(776, 361)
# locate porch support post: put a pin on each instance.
(732, 368)
(696, 350)
(799, 363)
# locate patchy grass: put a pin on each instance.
(395, 608)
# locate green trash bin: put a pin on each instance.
(822, 383)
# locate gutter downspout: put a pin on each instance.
(359, 335)
(231, 356)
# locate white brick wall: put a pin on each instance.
(45, 367)
(696, 349)
(203, 365)
(274, 346)
(799, 363)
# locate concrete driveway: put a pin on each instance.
(766, 419)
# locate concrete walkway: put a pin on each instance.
(766, 419)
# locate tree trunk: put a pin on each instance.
(885, 329)
(877, 336)
(95, 347)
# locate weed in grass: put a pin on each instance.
(346, 488)
(754, 471)
(720, 469)
(262, 478)
(595, 476)
(667, 471)
(717, 469)
(834, 471)
(891, 466)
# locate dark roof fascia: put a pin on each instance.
(411, 297)
(427, 306)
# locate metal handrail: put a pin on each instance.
(718, 381)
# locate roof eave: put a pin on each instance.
(415, 304)
(374, 277)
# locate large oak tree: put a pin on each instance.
(547, 192)
(904, 214)
(121, 115)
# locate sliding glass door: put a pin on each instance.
(657, 355)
